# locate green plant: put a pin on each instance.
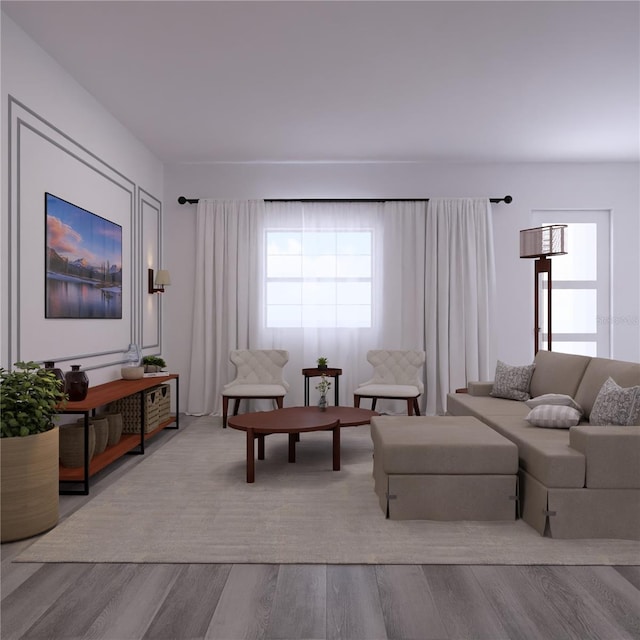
(29, 399)
(322, 361)
(154, 361)
(324, 385)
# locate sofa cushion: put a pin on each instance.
(612, 454)
(557, 373)
(544, 453)
(626, 374)
(615, 405)
(553, 398)
(554, 416)
(465, 404)
(512, 382)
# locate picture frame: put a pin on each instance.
(83, 262)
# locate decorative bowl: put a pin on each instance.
(132, 373)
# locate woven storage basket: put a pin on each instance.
(129, 407)
(164, 406)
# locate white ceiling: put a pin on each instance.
(356, 81)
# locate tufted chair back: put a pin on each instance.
(396, 367)
(259, 366)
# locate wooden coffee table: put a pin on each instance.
(294, 421)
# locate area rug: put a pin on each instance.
(188, 502)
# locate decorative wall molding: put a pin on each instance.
(87, 177)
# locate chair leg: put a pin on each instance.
(410, 407)
(225, 409)
(356, 401)
(416, 406)
(236, 406)
(373, 403)
(279, 401)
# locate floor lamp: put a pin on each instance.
(542, 243)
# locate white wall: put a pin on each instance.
(533, 187)
(56, 137)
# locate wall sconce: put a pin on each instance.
(162, 280)
(542, 243)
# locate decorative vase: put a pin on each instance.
(76, 383)
(323, 402)
(51, 366)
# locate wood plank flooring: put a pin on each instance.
(307, 602)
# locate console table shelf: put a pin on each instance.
(100, 396)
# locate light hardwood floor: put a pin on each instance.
(228, 602)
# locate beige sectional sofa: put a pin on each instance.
(578, 482)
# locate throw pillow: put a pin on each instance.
(512, 382)
(555, 416)
(615, 405)
(553, 398)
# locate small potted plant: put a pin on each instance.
(30, 397)
(153, 364)
(322, 362)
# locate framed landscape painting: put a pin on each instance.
(83, 263)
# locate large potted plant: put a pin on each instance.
(29, 399)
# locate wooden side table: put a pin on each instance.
(314, 372)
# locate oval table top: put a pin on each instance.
(299, 419)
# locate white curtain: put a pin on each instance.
(459, 296)
(225, 296)
(432, 288)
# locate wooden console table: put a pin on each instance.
(100, 396)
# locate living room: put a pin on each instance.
(545, 110)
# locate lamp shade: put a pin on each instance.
(162, 278)
(542, 241)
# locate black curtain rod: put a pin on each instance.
(506, 200)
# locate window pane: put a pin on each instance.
(578, 348)
(284, 266)
(318, 278)
(574, 310)
(284, 242)
(354, 266)
(319, 293)
(318, 266)
(284, 293)
(354, 242)
(580, 263)
(350, 293)
(319, 243)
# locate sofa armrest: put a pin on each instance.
(480, 388)
(612, 455)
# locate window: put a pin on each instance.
(319, 278)
(580, 284)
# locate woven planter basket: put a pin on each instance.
(115, 427)
(72, 444)
(101, 428)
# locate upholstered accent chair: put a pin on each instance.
(396, 376)
(259, 374)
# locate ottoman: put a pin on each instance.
(443, 468)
